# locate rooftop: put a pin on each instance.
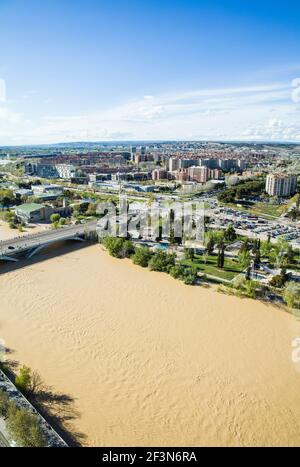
(29, 207)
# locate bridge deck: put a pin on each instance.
(19, 244)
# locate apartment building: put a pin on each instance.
(159, 174)
(281, 184)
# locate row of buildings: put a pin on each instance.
(193, 174)
(176, 163)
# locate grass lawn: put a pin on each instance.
(265, 210)
(231, 268)
(268, 209)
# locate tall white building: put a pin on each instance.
(173, 164)
(281, 184)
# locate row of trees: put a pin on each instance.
(23, 425)
(160, 261)
(218, 240)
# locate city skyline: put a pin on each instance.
(132, 71)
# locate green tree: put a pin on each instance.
(24, 428)
(230, 233)
(257, 257)
(162, 261)
(250, 288)
(23, 379)
(119, 247)
(188, 275)
(54, 218)
(210, 245)
(266, 248)
(279, 280)
(292, 295)
(9, 216)
(177, 271)
(142, 256)
(6, 197)
(244, 259)
(62, 221)
(221, 255)
(245, 246)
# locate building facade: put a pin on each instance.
(281, 184)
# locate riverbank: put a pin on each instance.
(6, 233)
(149, 360)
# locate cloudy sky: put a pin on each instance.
(135, 70)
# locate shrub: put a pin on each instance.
(54, 218)
(186, 274)
(118, 247)
(24, 427)
(177, 271)
(162, 261)
(142, 257)
(23, 379)
(292, 295)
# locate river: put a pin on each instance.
(151, 361)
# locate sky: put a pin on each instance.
(95, 70)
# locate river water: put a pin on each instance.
(148, 360)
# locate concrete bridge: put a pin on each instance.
(31, 244)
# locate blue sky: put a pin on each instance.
(101, 70)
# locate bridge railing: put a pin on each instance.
(82, 227)
(27, 241)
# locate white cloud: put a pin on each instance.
(296, 91)
(230, 113)
(2, 90)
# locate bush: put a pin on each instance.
(280, 280)
(24, 427)
(230, 233)
(62, 221)
(54, 218)
(9, 216)
(162, 261)
(187, 275)
(177, 271)
(23, 379)
(119, 247)
(292, 295)
(142, 257)
(244, 287)
(190, 276)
